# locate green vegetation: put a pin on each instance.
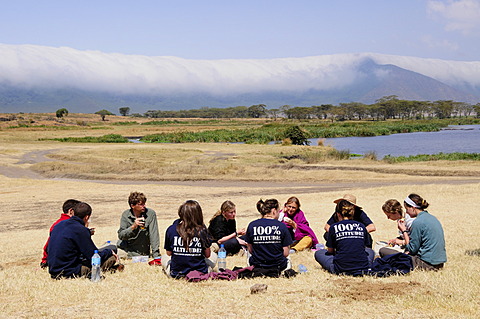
(261, 135)
(161, 122)
(434, 157)
(124, 111)
(103, 113)
(110, 138)
(296, 135)
(277, 131)
(61, 113)
(127, 123)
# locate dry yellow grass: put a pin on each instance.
(31, 205)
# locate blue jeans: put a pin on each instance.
(326, 261)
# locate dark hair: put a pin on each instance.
(393, 206)
(82, 209)
(345, 209)
(191, 222)
(417, 199)
(295, 200)
(265, 207)
(69, 204)
(136, 197)
(226, 206)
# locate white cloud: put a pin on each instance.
(33, 66)
(448, 72)
(38, 66)
(461, 15)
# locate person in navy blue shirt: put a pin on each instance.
(187, 243)
(347, 239)
(268, 239)
(359, 215)
(71, 248)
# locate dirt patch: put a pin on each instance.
(351, 291)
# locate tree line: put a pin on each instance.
(387, 107)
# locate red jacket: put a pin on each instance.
(45, 248)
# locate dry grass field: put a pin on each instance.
(37, 176)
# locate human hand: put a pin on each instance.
(401, 225)
(290, 222)
(241, 232)
(241, 242)
(92, 231)
(139, 222)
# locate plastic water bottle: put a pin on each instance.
(222, 258)
(96, 271)
(302, 269)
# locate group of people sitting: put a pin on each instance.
(267, 242)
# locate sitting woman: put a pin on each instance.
(359, 216)
(223, 229)
(394, 211)
(268, 239)
(346, 244)
(187, 243)
(303, 236)
(426, 240)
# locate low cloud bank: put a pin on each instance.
(31, 66)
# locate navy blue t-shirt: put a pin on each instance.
(185, 260)
(349, 239)
(359, 216)
(268, 237)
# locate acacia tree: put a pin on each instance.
(103, 113)
(61, 112)
(273, 113)
(476, 108)
(257, 111)
(124, 110)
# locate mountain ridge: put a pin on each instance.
(41, 79)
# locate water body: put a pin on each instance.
(460, 138)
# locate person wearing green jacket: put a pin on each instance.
(426, 241)
(138, 233)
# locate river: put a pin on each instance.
(461, 138)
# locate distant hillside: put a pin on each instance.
(43, 79)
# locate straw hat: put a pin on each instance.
(349, 198)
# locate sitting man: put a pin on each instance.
(138, 232)
(71, 248)
(67, 213)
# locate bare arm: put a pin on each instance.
(327, 227)
(225, 238)
(286, 251)
(371, 228)
(207, 252)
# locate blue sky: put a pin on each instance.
(248, 29)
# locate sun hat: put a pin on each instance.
(349, 198)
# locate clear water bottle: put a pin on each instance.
(96, 271)
(302, 269)
(222, 258)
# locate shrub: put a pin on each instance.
(296, 135)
